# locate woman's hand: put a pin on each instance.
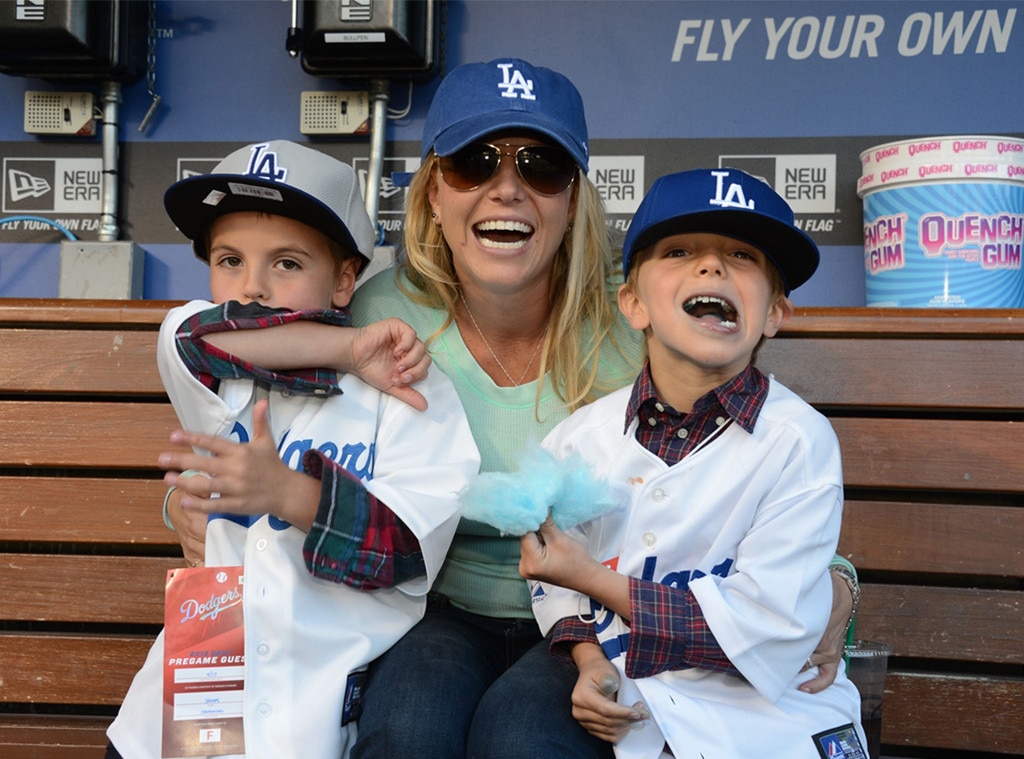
(190, 526)
(830, 649)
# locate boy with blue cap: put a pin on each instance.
(710, 588)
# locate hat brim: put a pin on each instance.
(459, 135)
(192, 205)
(793, 252)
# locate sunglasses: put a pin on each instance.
(546, 170)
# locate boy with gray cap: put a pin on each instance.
(710, 589)
(285, 233)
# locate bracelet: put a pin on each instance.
(850, 578)
(167, 497)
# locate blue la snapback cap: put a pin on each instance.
(729, 202)
(477, 99)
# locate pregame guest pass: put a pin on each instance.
(204, 662)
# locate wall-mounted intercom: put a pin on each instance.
(371, 38)
(98, 40)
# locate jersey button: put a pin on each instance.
(261, 544)
(263, 649)
(659, 495)
(650, 539)
(264, 710)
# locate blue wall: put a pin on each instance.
(667, 86)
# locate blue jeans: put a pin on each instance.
(461, 685)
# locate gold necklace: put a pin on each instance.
(490, 350)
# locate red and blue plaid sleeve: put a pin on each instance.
(566, 633)
(668, 631)
(210, 364)
(355, 538)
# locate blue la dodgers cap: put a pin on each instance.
(728, 202)
(477, 99)
(276, 177)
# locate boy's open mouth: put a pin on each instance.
(503, 234)
(710, 307)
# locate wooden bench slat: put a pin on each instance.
(949, 711)
(894, 373)
(115, 589)
(53, 737)
(67, 434)
(70, 313)
(83, 510)
(101, 361)
(962, 624)
(931, 454)
(888, 323)
(941, 538)
(69, 669)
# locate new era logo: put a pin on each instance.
(23, 185)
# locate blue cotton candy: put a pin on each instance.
(583, 496)
(518, 502)
(515, 502)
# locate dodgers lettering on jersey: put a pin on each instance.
(603, 617)
(355, 457)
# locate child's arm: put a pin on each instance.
(549, 555)
(250, 341)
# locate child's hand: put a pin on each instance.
(389, 356)
(552, 556)
(593, 699)
(248, 479)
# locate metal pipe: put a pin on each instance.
(378, 133)
(111, 97)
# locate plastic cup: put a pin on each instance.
(866, 667)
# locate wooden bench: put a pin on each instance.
(84, 549)
(929, 410)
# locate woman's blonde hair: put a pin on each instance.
(582, 314)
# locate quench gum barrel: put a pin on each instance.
(944, 222)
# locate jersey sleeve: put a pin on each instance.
(422, 462)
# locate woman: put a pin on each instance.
(507, 278)
(507, 272)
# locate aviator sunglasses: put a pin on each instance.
(545, 169)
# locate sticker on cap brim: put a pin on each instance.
(214, 198)
(255, 191)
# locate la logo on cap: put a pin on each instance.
(515, 81)
(263, 164)
(733, 198)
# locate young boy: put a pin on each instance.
(711, 588)
(285, 233)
